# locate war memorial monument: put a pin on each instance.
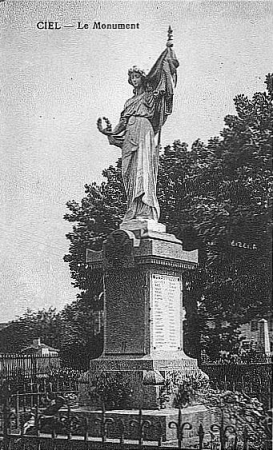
(142, 265)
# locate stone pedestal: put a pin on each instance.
(159, 422)
(143, 286)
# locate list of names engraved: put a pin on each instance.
(166, 312)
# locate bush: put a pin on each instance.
(112, 390)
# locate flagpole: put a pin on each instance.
(168, 44)
(170, 37)
(159, 137)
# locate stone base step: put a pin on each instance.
(158, 422)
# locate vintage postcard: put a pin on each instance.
(135, 195)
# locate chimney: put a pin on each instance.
(37, 342)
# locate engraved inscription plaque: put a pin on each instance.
(166, 299)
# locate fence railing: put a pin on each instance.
(30, 393)
(67, 431)
(26, 365)
(242, 360)
(71, 431)
(254, 379)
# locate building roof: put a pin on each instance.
(37, 347)
(4, 325)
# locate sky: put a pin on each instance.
(56, 83)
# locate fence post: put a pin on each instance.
(221, 429)
(222, 432)
(104, 422)
(36, 420)
(31, 393)
(53, 434)
(6, 419)
(69, 434)
(245, 438)
(17, 409)
(86, 433)
(121, 429)
(160, 434)
(140, 429)
(24, 397)
(102, 428)
(37, 427)
(180, 428)
(22, 436)
(201, 435)
(177, 426)
(38, 394)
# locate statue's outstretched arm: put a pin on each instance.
(116, 138)
(121, 126)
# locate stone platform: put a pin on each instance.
(158, 422)
(144, 376)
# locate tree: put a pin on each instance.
(82, 332)
(20, 333)
(99, 213)
(213, 197)
(235, 207)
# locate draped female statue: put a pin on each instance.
(141, 119)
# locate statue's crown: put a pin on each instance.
(137, 70)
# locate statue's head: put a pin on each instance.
(136, 77)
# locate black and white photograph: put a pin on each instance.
(136, 181)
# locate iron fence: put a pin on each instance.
(12, 365)
(29, 390)
(69, 431)
(253, 379)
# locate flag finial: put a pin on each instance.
(170, 37)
